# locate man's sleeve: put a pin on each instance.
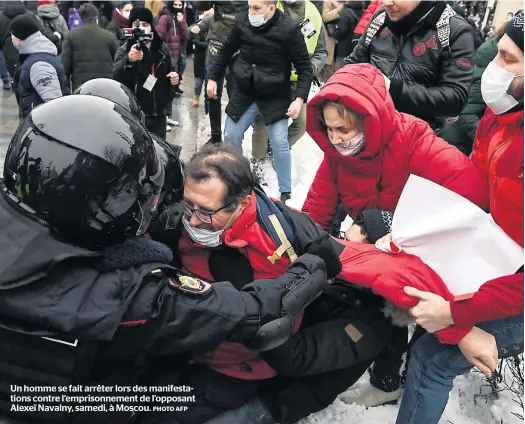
(298, 53)
(123, 68)
(67, 56)
(320, 55)
(45, 81)
(449, 94)
(192, 320)
(220, 54)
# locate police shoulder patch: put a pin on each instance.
(190, 285)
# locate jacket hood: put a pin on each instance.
(362, 89)
(49, 11)
(37, 43)
(14, 8)
(119, 19)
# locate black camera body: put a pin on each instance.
(138, 34)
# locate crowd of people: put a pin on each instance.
(160, 272)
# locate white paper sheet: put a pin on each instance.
(457, 239)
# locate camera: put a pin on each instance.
(138, 34)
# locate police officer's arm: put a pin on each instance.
(448, 95)
(298, 53)
(220, 54)
(186, 321)
(320, 55)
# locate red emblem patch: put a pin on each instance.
(464, 64)
(385, 32)
(432, 43)
(419, 49)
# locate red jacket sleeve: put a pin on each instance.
(481, 142)
(387, 275)
(433, 158)
(496, 299)
(322, 199)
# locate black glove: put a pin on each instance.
(323, 247)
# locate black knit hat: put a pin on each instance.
(514, 30)
(377, 223)
(23, 26)
(142, 14)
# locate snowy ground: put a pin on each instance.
(462, 407)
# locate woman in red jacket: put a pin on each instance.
(370, 149)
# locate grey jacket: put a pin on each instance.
(50, 12)
(43, 75)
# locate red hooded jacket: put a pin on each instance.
(396, 145)
(498, 152)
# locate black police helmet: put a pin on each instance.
(85, 167)
(112, 90)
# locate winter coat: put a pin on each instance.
(134, 74)
(115, 26)
(52, 19)
(173, 32)
(109, 306)
(344, 32)
(262, 69)
(226, 14)
(88, 54)
(330, 15)
(461, 132)
(427, 80)
(201, 46)
(11, 10)
(396, 145)
(498, 152)
(40, 76)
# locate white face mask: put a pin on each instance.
(203, 236)
(495, 82)
(352, 147)
(258, 20)
(125, 14)
(291, 1)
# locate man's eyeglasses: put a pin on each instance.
(203, 216)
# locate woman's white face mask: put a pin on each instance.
(351, 147)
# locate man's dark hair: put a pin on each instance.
(225, 163)
(88, 12)
(360, 222)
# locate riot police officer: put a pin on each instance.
(85, 298)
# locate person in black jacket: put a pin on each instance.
(199, 36)
(149, 73)
(88, 51)
(428, 72)
(120, 20)
(269, 43)
(226, 12)
(344, 32)
(86, 299)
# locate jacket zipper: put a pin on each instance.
(493, 206)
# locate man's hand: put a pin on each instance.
(323, 248)
(135, 55)
(180, 17)
(432, 312)
(481, 350)
(174, 78)
(195, 29)
(295, 108)
(387, 82)
(211, 88)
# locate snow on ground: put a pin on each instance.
(462, 407)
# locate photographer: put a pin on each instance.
(144, 65)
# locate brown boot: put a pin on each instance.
(196, 101)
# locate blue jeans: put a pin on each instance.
(3, 69)
(253, 412)
(433, 366)
(278, 135)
